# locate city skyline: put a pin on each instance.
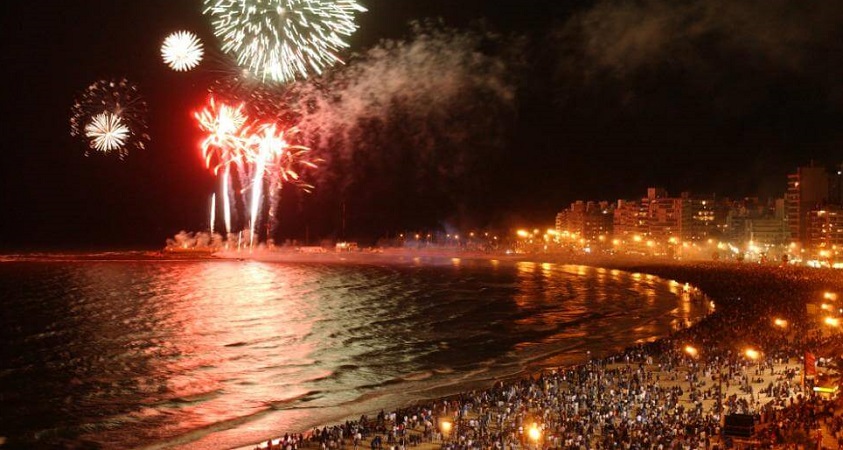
(550, 103)
(805, 222)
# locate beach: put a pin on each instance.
(745, 358)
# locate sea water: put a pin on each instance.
(148, 352)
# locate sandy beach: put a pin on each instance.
(748, 356)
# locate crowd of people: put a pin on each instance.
(658, 395)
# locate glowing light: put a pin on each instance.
(832, 321)
(830, 296)
(535, 433)
(107, 132)
(182, 51)
(445, 426)
(523, 233)
(752, 353)
(280, 40)
(780, 323)
(691, 351)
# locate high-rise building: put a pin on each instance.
(586, 220)
(629, 219)
(760, 222)
(807, 189)
(766, 230)
(665, 215)
(825, 230)
(696, 217)
(661, 218)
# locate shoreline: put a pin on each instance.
(730, 296)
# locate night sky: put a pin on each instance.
(452, 114)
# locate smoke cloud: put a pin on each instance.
(422, 119)
(723, 47)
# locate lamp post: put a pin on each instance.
(535, 434)
(753, 356)
(445, 426)
(691, 351)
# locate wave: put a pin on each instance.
(302, 398)
(418, 376)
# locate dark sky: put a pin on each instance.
(484, 113)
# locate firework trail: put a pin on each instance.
(182, 51)
(213, 211)
(110, 116)
(280, 40)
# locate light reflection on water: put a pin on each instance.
(224, 353)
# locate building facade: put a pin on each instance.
(825, 231)
(807, 190)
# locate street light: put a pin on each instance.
(445, 426)
(535, 434)
(691, 351)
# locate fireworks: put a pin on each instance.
(182, 51)
(106, 132)
(110, 115)
(223, 124)
(259, 152)
(280, 40)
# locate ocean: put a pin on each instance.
(118, 351)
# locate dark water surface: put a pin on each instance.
(208, 353)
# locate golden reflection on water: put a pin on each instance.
(541, 283)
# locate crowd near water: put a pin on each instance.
(747, 360)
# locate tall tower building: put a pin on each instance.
(807, 189)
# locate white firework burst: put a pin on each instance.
(280, 40)
(182, 51)
(107, 132)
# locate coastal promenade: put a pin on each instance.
(748, 357)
